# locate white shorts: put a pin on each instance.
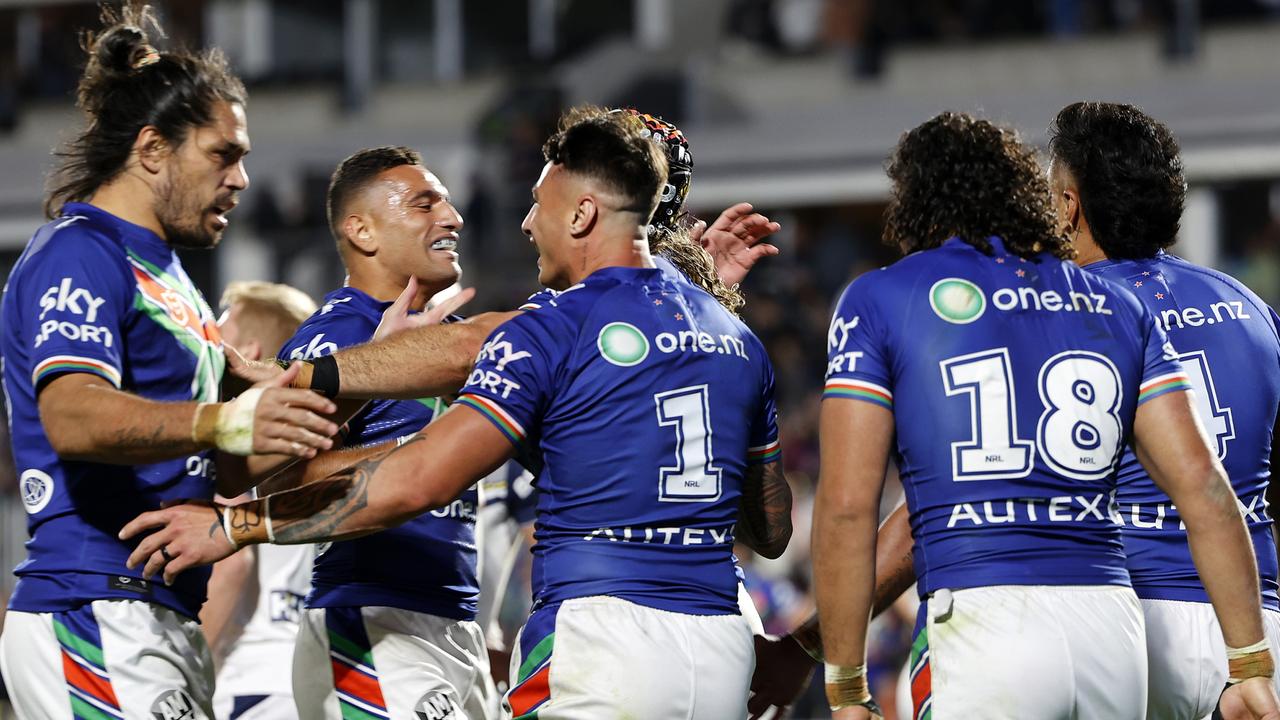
(602, 657)
(390, 663)
(109, 659)
(1018, 652)
(1188, 657)
(255, 682)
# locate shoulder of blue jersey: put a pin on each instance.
(336, 324)
(1213, 275)
(72, 234)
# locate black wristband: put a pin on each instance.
(324, 376)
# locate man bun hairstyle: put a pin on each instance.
(355, 173)
(957, 175)
(613, 149)
(1128, 172)
(127, 85)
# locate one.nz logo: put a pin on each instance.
(175, 704)
(622, 344)
(957, 301)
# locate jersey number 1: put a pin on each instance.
(693, 478)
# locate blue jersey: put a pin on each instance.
(645, 401)
(426, 565)
(95, 294)
(1013, 384)
(1226, 339)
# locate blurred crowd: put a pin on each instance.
(43, 60)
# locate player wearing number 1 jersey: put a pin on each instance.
(1006, 381)
(1118, 187)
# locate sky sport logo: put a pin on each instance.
(622, 344)
(957, 301)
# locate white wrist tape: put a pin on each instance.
(234, 432)
(843, 673)
(266, 517)
(846, 685)
(1250, 662)
(1236, 653)
(226, 527)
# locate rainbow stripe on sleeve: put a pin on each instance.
(74, 364)
(858, 390)
(496, 415)
(1158, 386)
(764, 454)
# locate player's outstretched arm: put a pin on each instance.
(855, 440)
(237, 474)
(86, 418)
(764, 515)
(321, 467)
(417, 362)
(1171, 445)
(785, 664)
(428, 471)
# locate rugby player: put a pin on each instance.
(375, 638)
(637, 504)
(255, 596)
(1032, 374)
(717, 259)
(112, 368)
(1118, 187)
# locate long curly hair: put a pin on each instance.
(695, 263)
(959, 176)
(1128, 172)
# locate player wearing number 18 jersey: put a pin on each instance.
(1010, 379)
(1118, 186)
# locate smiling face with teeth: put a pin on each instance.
(410, 228)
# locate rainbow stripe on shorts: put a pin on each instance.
(85, 670)
(532, 689)
(355, 679)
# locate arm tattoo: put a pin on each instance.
(243, 521)
(316, 512)
(216, 526)
(764, 518)
(132, 437)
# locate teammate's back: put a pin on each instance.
(1120, 189)
(640, 384)
(1227, 341)
(1011, 384)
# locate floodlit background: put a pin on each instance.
(792, 105)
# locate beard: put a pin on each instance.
(182, 217)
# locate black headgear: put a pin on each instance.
(679, 167)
